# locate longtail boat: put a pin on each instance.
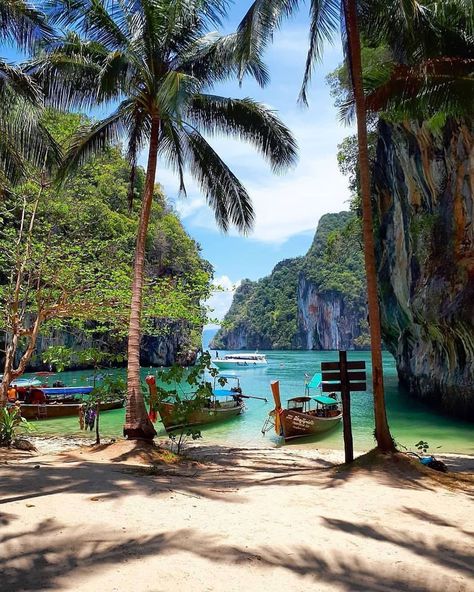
(223, 404)
(304, 416)
(42, 402)
(53, 410)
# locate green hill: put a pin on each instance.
(311, 302)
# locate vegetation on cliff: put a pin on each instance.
(264, 314)
(81, 254)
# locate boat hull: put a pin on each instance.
(297, 425)
(55, 410)
(201, 416)
(225, 364)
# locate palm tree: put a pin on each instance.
(416, 30)
(23, 140)
(326, 19)
(157, 62)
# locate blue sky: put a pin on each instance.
(287, 206)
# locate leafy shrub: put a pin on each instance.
(12, 424)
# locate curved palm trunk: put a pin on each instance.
(137, 423)
(382, 431)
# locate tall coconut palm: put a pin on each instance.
(157, 62)
(327, 19)
(23, 140)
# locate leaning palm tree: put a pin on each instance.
(411, 28)
(23, 139)
(327, 19)
(157, 62)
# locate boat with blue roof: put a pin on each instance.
(225, 403)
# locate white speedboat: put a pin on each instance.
(240, 360)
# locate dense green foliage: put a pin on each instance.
(335, 260)
(82, 251)
(267, 310)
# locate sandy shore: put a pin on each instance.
(122, 517)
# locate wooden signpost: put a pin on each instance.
(344, 377)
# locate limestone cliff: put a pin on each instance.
(171, 342)
(326, 321)
(423, 184)
(311, 302)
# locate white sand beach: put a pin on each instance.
(118, 518)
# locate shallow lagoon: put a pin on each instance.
(410, 420)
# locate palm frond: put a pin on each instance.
(172, 148)
(25, 142)
(22, 24)
(247, 120)
(324, 23)
(259, 23)
(99, 20)
(70, 72)
(139, 127)
(214, 58)
(19, 83)
(224, 193)
(93, 139)
(445, 84)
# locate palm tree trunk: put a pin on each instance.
(137, 423)
(382, 431)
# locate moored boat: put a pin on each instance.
(42, 402)
(304, 416)
(222, 405)
(240, 360)
(57, 409)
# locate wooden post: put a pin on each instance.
(346, 408)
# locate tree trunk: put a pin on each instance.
(97, 431)
(137, 423)
(382, 431)
(8, 370)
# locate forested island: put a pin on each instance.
(312, 302)
(85, 234)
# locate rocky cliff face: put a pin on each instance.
(311, 302)
(424, 191)
(171, 344)
(325, 319)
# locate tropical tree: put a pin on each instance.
(23, 139)
(418, 33)
(326, 18)
(156, 61)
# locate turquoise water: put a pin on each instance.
(410, 421)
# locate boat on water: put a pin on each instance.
(225, 403)
(304, 416)
(43, 402)
(55, 409)
(240, 360)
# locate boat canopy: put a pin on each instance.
(223, 393)
(300, 399)
(325, 400)
(315, 381)
(226, 376)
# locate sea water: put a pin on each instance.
(410, 420)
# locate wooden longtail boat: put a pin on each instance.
(224, 404)
(300, 418)
(59, 409)
(52, 402)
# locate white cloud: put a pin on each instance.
(221, 299)
(285, 205)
